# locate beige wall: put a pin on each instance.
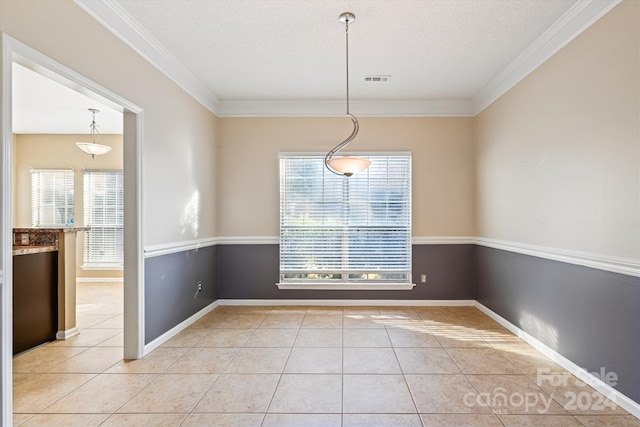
(442, 153)
(558, 156)
(178, 146)
(60, 152)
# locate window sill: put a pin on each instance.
(348, 286)
(102, 267)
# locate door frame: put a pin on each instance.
(12, 50)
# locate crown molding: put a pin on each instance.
(573, 22)
(117, 20)
(333, 108)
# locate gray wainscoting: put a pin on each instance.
(589, 316)
(170, 288)
(251, 272)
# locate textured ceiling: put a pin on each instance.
(294, 49)
(286, 57)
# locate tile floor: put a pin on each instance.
(302, 366)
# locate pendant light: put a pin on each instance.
(346, 166)
(91, 148)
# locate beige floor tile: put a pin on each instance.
(322, 320)
(530, 361)
(539, 420)
(362, 321)
(99, 307)
(204, 361)
(445, 394)
(359, 360)
(93, 360)
(87, 320)
(208, 321)
(400, 312)
(385, 394)
(481, 361)
(115, 341)
(43, 359)
(223, 420)
(387, 420)
(298, 420)
(575, 396)
(226, 338)
(34, 392)
(239, 393)
(20, 419)
(325, 309)
(459, 336)
(362, 309)
(319, 338)
(314, 361)
(87, 338)
(412, 337)
(515, 394)
(609, 420)
(289, 309)
(242, 321)
(116, 322)
(170, 393)
(187, 338)
(426, 361)
(105, 393)
(405, 324)
(308, 393)
(155, 362)
(259, 361)
(365, 338)
(242, 309)
(278, 321)
(460, 420)
(66, 420)
(144, 420)
(272, 338)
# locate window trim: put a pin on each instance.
(354, 285)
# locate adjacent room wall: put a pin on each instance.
(558, 164)
(38, 151)
(178, 134)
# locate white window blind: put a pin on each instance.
(104, 215)
(51, 197)
(338, 229)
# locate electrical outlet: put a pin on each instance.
(198, 289)
(423, 278)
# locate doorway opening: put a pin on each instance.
(15, 53)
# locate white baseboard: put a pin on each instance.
(99, 280)
(148, 348)
(347, 302)
(63, 335)
(605, 389)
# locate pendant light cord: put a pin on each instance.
(356, 125)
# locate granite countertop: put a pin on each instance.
(26, 250)
(49, 230)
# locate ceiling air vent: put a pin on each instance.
(377, 79)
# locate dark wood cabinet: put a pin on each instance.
(35, 299)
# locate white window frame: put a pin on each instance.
(344, 277)
(113, 225)
(61, 183)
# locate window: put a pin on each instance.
(104, 215)
(340, 230)
(51, 197)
